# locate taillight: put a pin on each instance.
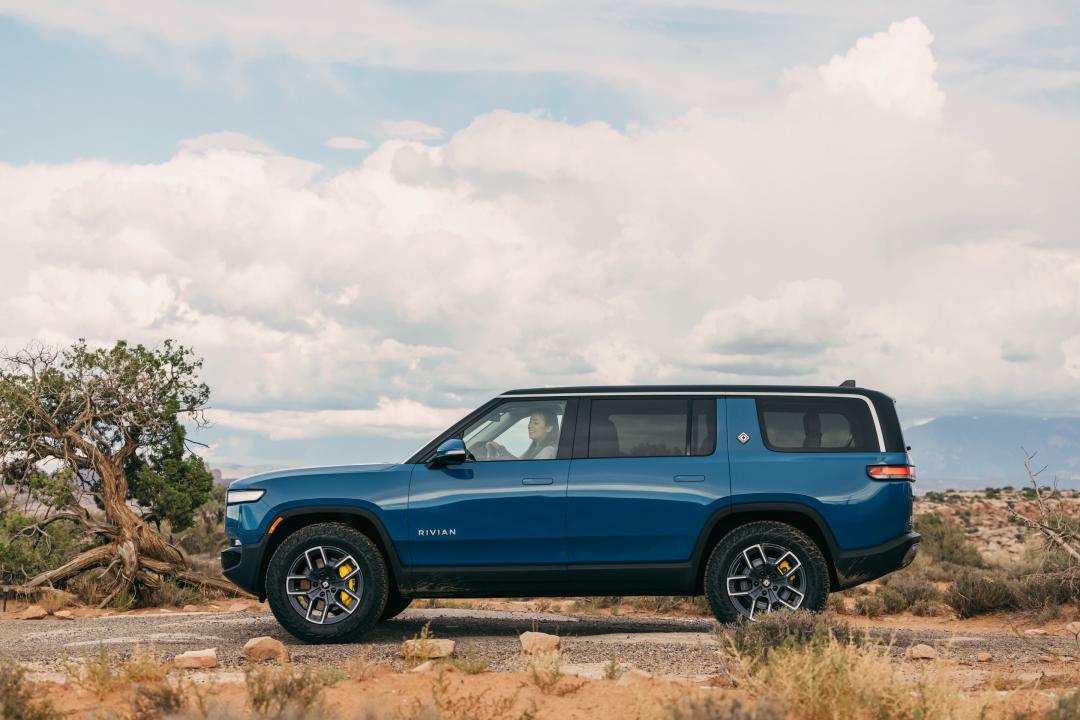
(891, 472)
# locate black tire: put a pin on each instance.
(373, 588)
(729, 552)
(395, 605)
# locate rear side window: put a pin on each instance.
(817, 425)
(652, 427)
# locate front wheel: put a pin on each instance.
(327, 583)
(765, 566)
(395, 605)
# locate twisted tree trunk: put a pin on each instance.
(135, 550)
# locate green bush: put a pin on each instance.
(796, 627)
(976, 592)
(23, 556)
(892, 601)
(871, 606)
(944, 540)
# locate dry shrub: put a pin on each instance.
(837, 604)
(945, 541)
(912, 586)
(777, 630)
(98, 673)
(871, 606)
(833, 679)
(156, 701)
(52, 600)
(453, 703)
(976, 592)
(17, 701)
(928, 608)
(704, 706)
(546, 673)
(285, 692)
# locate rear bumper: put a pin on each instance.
(859, 566)
(242, 564)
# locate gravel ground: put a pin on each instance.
(678, 647)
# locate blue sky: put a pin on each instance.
(546, 194)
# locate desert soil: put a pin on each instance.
(672, 647)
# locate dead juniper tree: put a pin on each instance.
(1059, 529)
(110, 416)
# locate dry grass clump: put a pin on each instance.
(776, 630)
(17, 701)
(287, 691)
(835, 679)
(103, 672)
(468, 662)
(546, 673)
(701, 706)
(453, 703)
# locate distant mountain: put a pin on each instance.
(988, 450)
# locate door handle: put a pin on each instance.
(537, 481)
(689, 478)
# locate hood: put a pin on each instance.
(266, 478)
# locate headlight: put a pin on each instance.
(243, 496)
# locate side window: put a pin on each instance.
(639, 427)
(517, 430)
(817, 424)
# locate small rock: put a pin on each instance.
(266, 648)
(64, 614)
(34, 612)
(428, 649)
(1046, 658)
(1036, 631)
(424, 667)
(237, 607)
(923, 652)
(984, 657)
(537, 642)
(193, 659)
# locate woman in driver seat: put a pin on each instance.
(544, 433)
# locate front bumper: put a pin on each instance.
(859, 566)
(242, 564)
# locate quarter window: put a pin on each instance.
(817, 424)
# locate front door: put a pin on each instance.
(504, 506)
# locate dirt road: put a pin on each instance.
(667, 646)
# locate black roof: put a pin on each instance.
(588, 389)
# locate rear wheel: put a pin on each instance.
(761, 567)
(327, 583)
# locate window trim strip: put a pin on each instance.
(864, 398)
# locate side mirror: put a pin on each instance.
(451, 452)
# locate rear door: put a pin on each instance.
(647, 472)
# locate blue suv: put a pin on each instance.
(758, 497)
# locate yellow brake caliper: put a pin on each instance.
(784, 567)
(343, 570)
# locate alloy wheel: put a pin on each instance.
(764, 577)
(324, 584)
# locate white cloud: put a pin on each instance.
(806, 242)
(226, 141)
(894, 69)
(347, 143)
(411, 130)
(395, 418)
